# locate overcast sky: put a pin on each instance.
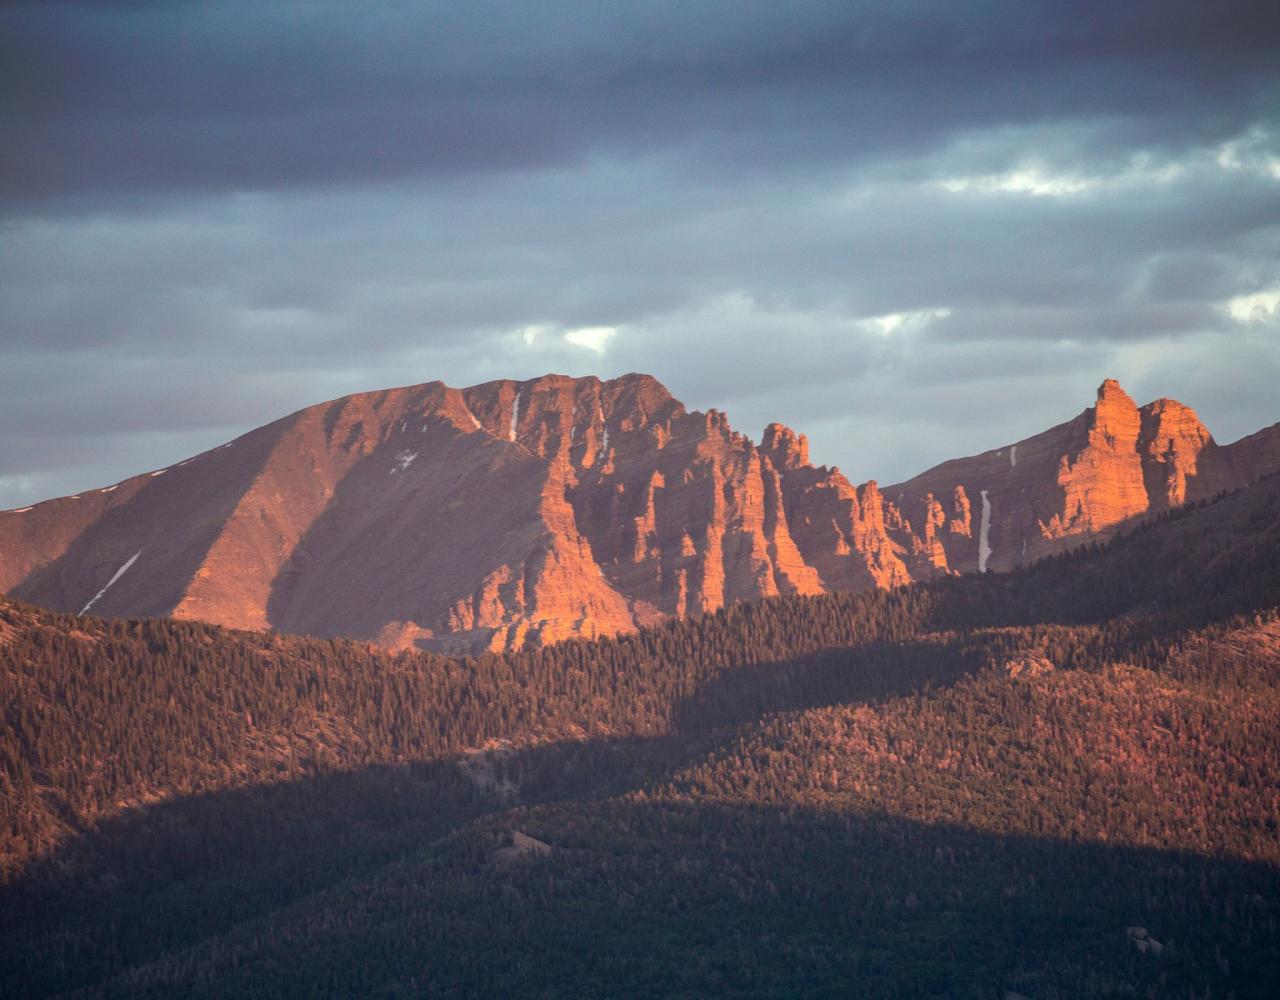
(911, 230)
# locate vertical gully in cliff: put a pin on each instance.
(984, 534)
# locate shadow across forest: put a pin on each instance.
(870, 671)
(165, 875)
(644, 895)
(664, 897)
(667, 896)
(325, 885)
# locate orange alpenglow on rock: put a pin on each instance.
(516, 513)
(1082, 479)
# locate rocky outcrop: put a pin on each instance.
(1171, 442)
(505, 514)
(521, 846)
(515, 513)
(1080, 480)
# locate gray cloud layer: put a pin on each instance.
(911, 230)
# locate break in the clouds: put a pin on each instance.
(911, 230)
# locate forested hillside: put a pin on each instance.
(1061, 781)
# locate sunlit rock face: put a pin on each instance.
(1115, 462)
(517, 513)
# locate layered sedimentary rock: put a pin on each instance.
(513, 513)
(488, 517)
(1113, 463)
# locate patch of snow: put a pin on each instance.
(76, 497)
(159, 472)
(109, 489)
(515, 416)
(221, 446)
(118, 573)
(19, 510)
(604, 445)
(403, 460)
(1013, 457)
(984, 534)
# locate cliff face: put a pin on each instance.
(488, 517)
(521, 512)
(1114, 462)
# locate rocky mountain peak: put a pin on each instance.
(784, 447)
(1115, 417)
(1111, 464)
(1110, 391)
(517, 512)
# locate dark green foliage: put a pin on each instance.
(678, 898)
(832, 795)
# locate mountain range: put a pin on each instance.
(1055, 782)
(513, 514)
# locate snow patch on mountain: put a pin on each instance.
(116, 576)
(403, 460)
(984, 534)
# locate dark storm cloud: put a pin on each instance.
(913, 230)
(140, 98)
